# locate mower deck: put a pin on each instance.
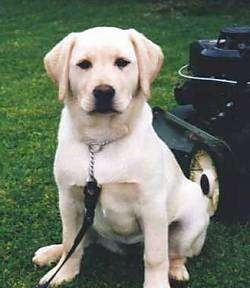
(184, 140)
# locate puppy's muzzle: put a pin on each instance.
(104, 95)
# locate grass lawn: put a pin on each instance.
(29, 114)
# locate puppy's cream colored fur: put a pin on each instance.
(143, 187)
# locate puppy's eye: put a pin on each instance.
(85, 64)
(121, 62)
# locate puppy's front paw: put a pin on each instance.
(47, 255)
(67, 273)
(178, 270)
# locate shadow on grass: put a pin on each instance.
(102, 267)
(110, 269)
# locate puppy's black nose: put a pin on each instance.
(104, 91)
(103, 98)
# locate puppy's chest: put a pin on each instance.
(117, 212)
(72, 165)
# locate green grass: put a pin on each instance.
(29, 115)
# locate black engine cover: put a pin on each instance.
(228, 57)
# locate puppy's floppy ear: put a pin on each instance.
(149, 57)
(56, 63)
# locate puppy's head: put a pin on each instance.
(104, 68)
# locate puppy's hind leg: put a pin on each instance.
(184, 241)
(177, 260)
(177, 268)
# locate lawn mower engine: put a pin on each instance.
(215, 97)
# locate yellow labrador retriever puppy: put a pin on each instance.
(104, 76)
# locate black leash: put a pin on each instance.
(91, 191)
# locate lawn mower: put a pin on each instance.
(209, 132)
